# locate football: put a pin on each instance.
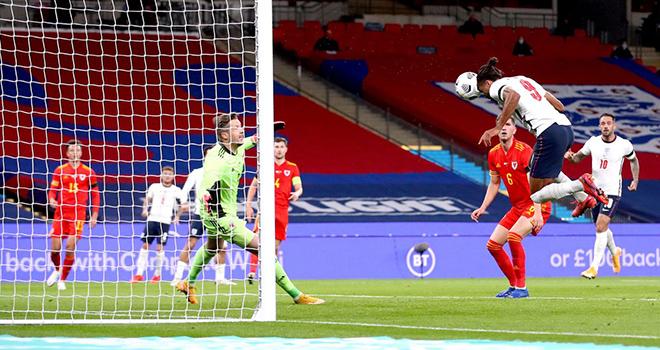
(466, 86)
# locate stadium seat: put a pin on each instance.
(312, 25)
(392, 28)
(505, 31)
(287, 24)
(354, 27)
(448, 30)
(580, 33)
(541, 32)
(525, 32)
(337, 28)
(489, 31)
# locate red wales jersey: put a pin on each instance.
(512, 167)
(75, 185)
(286, 175)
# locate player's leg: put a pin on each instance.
(603, 234)
(495, 248)
(254, 259)
(72, 229)
(521, 229)
(143, 258)
(196, 232)
(220, 265)
(583, 201)
(55, 247)
(161, 241)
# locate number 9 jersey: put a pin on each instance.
(534, 111)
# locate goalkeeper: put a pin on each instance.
(223, 167)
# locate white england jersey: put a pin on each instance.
(163, 202)
(607, 162)
(534, 111)
(194, 180)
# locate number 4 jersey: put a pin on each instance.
(534, 111)
(607, 161)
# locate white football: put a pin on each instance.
(466, 86)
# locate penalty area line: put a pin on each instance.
(472, 330)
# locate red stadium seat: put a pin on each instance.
(580, 33)
(392, 28)
(525, 32)
(448, 31)
(337, 27)
(354, 27)
(312, 25)
(489, 31)
(287, 24)
(504, 31)
(541, 32)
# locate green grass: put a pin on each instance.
(566, 309)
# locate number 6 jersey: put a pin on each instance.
(534, 111)
(607, 161)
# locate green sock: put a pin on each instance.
(202, 258)
(283, 281)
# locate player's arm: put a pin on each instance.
(187, 187)
(511, 99)
(54, 186)
(634, 168)
(554, 102)
(298, 190)
(491, 193)
(96, 200)
(182, 208)
(145, 206)
(252, 191)
(579, 155)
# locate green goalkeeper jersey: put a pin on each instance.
(221, 179)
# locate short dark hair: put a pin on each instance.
(167, 167)
(489, 72)
(72, 143)
(222, 123)
(281, 139)
(607, 115)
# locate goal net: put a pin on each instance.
(137, 84)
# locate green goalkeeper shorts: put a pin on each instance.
(231, 229)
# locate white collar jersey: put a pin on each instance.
(194, 180)
(607, 162)
(534, 111)
(163, 202)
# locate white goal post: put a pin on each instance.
(137, 84)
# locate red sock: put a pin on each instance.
(518, 255)
(55, 258)
(68, 264)
(254, 261)
(503, 261)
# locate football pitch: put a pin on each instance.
(622, 310)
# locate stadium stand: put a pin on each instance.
(138, 128)
(408, 84)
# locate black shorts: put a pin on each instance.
(549, 150)
(196, 227)
(155, 231)
(605, 209)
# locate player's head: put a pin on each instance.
(281, 147)
(167, 175)
(606, 124)
(206, 151)
(487, 74)
(508, 130)
(229, 129)
(73, 150)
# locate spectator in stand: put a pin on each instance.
(650, 27)
(522, 48)
(471, 26)
(622, 51)
(564, 28)
(327, 43)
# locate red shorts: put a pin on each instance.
(515, 213)
(67, 226)
(281, 223)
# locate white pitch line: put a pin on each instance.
(473, 298)
(473, 330)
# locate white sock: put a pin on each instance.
(599, 249)
(219, 271)
(142, 261)
(610, 242)
(180, 269)
(160, 256)
(579, 196)
(556, 191)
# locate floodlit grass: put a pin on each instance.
(621, 310)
